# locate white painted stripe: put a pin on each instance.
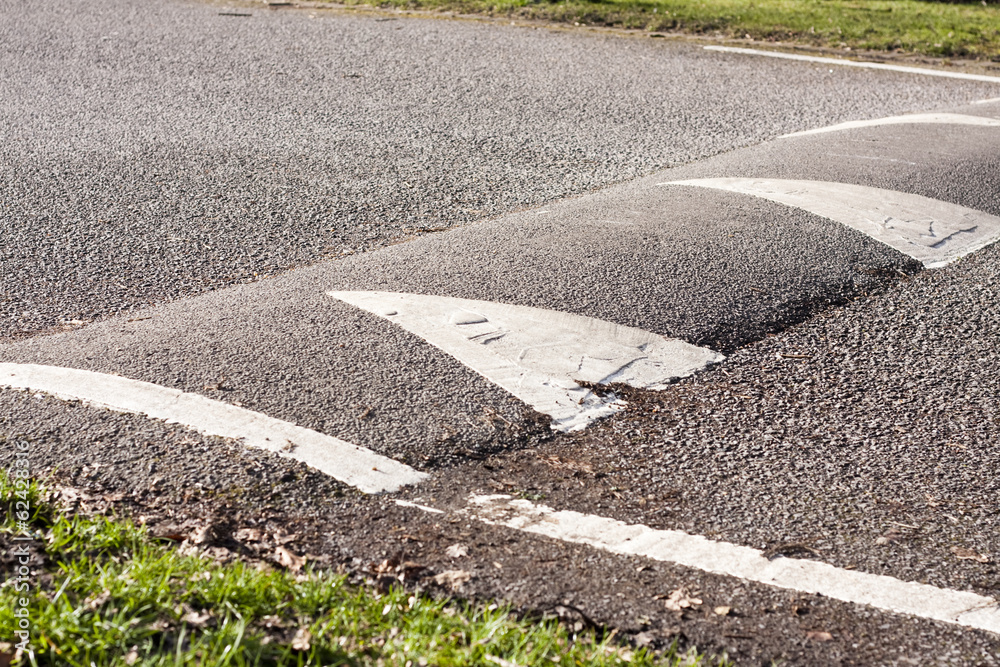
(407, 503)
(929, 230)
(855, 63)
(988, 101)
(539, 355)
(357, 466)
(911, 119)
(940, 604)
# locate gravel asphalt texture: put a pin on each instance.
(157, 150)
(153, 150)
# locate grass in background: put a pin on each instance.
(115, 596)
(946, 29)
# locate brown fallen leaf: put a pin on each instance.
(819, 636)
(679, 600)
(500, 661)
(453, 579)
(282, 538)
(644, 639)
(388, 566)
(271, 621)
(95, 602)
(302, 640)
(248, 535)
(202, 534)
(196, 619)
(457, 551)
(968, 554)
(289, 560)
(567, 464)
(70, 495)
(891, 537)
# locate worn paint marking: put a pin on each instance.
(855, 63)
(540, 355)
(929, 230)
(348, 463)
(939, 604)
(910, 119)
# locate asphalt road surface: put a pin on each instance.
(838, 402)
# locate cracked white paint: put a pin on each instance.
(940, 604)
(911, 119)
(929, 230)
(357, 466)
(540, 355)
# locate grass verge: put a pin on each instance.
(942, 29)
(100, 591)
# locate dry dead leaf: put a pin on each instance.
(722, 611)
(95, 602)
(196, 619)
(566, 464)
(273, 622)
(132, 656)
(644, 639)
(387, 566)
(819, 636)
(202, 534)
(500, 661)
(889, 538)
(457, 551)
(70, 495)
(248, 535)
(289, 560)
(968, 554)
(302, 640)
(220, 555)
(453, 579)
(679, 600)
(281, 537)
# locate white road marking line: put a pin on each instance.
(407, 503)
(539, 355)
(987, 101)
(357, 466)
(671, 546)
(910, 119)
(855, 63)
(929, 230)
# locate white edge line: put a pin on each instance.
(345, 462)
(407, 503)
(988, 101)
(910, 119)
(855, 63)
(882, 592)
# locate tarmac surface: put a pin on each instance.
(853, 422)
(157, 150)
